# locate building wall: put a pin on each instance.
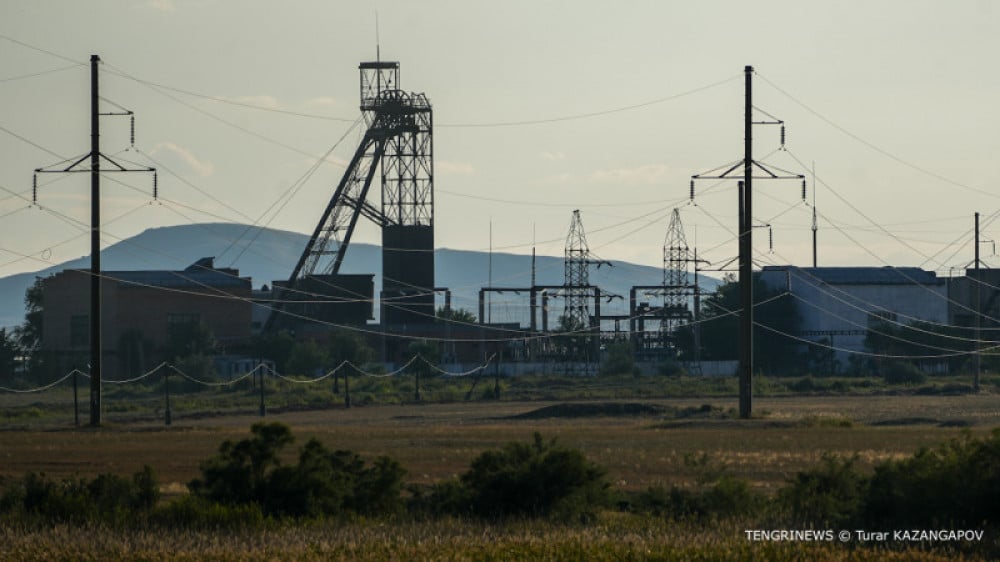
(841, 310)
(407, 296)
(127, 307)
(983, 285)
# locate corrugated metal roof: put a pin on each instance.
(863, 275)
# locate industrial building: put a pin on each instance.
(837, 305)
(140, 310)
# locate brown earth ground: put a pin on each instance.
(437, 441)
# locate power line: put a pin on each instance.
(38, 146)
(875, 147)
(42, 73)
(589, 114)
(41, 50)
(122, 74)
(240, 128)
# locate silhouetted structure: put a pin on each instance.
(141, 309)
(397, 143)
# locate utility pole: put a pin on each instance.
(746, 253)
(745, 278)
(815, 226)
(167, 416)
(76, 402)
(95, 246)
(95, 228)
(263, 408)
(697, 313)
(979, 317)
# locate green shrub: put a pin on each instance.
(901, 372)
(537, 479)
(716, 494)
(805, 384)
(832, 493)
(197, 512)
(956, 484)
(671, 368)
(106, 498)
(449, 497)
(238, 473)
(618, 359)
(321, 483)
(725, 497)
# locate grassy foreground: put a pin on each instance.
(618, 538)
(437, 441)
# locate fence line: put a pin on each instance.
(464, 373)
(40, 388)
(328, 374)
(215, 384)
(136, 379)
(384, 375)
(266, 369)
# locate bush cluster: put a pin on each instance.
(902, 372)
(540, 479)
(321, 483)
(956, 484)
(107, 498)
(246, 485)
(716, 494)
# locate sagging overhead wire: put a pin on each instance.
(950, 352)
(116, 71)
(42, 73)
(226, 122)
(873, 146)
(265, 370)
(592, 113)
(41, 50)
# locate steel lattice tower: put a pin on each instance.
(577, 278)
(398, 142)
(676, 288)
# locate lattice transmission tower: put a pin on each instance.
(398, 146)
(577, 291)
(677, 288)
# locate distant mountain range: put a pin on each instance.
(273, 253)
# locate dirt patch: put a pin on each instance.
(601, 409)
(920, 421)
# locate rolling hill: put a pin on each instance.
(266, 255)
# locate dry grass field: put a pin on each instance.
(615, 539)
(437, 441)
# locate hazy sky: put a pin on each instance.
(894, 101)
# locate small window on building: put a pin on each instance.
(79, 330)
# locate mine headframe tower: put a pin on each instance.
(398, 146)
